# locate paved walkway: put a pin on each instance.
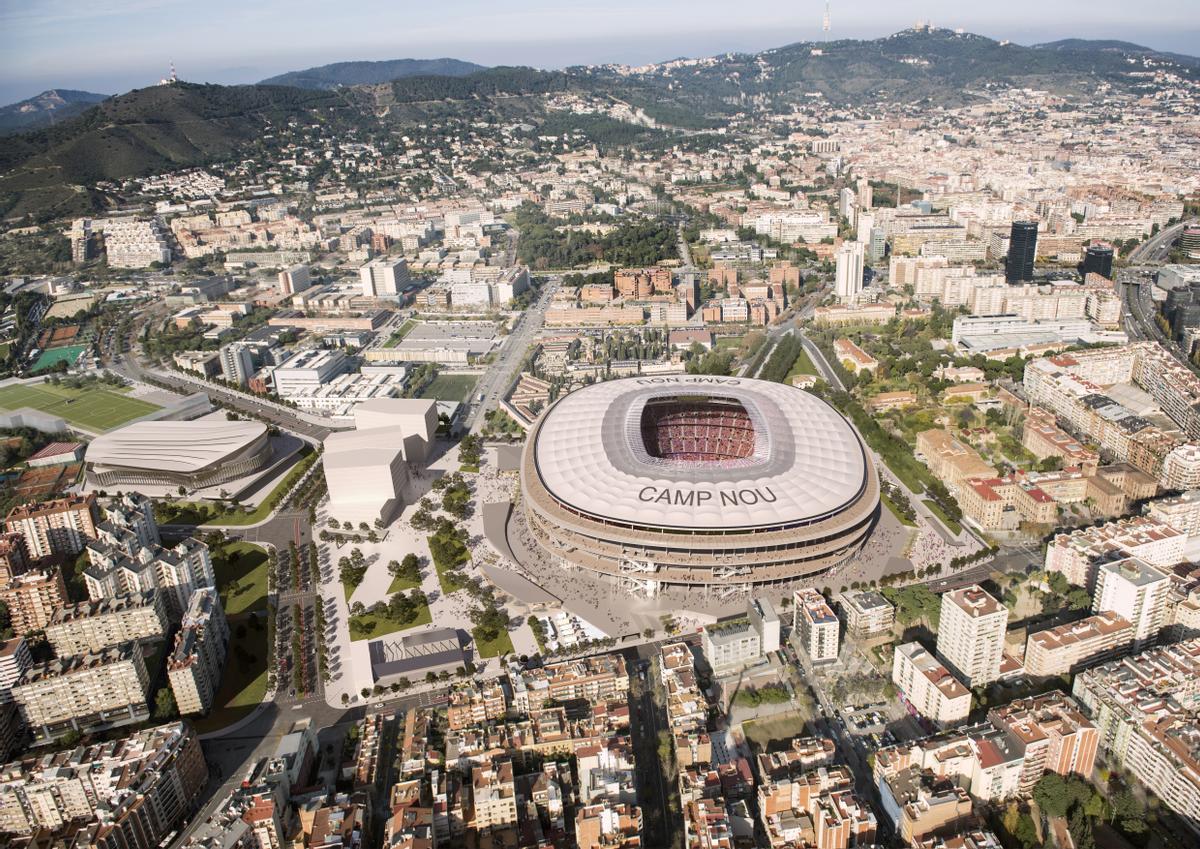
(446, 611)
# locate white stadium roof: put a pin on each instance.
(807, 463)
(181, 447)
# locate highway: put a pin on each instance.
(1135, 284)
(495, 380)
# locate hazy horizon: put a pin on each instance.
(123, 44)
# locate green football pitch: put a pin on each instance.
(93, 408)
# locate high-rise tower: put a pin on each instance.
(1022, 248)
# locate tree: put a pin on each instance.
(470, 450)
(1080, 826)
(6, 630)
(1056, 796)
(164, 704)
(489, 621)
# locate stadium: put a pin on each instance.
(697, 480)
(191, 454)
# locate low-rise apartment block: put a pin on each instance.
(599, 678)
(127, 794)
(84, 692)
(928, 686)
(1068, 648)
(867, 613)
(817, 809)
(198, 658)
(475, 704)
(92, 626)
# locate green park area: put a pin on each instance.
(936, 509)
(803, 365)
(240, 570)
(500, 644)
(244, 679)
(773, 733)
(371, 625)
(401, 585)
(93, 408)
(450, 387)
(398, 337)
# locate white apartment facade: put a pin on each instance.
(928, 686)
(815, 626)
(971, 634)
(1136, 591)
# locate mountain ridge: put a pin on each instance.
(49, 107)
(46, 171)
(364, 72)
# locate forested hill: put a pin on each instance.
(372, 73)
(47, 172)
(146, 131)
(942, 66)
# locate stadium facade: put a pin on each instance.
(697, 480)
(193, 454)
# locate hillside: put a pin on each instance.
(372, 73)
(910, 66)
(146, 131)
(44, 109)
(1118, 47)
(150, 130)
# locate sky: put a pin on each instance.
(111, 46)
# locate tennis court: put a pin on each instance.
(47, 359)
(94, 408)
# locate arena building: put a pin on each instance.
(697, 480)
(192, 454)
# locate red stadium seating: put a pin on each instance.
(697, 431)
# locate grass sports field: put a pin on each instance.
(94, 409)
(450, 387)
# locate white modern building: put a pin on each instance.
(928, 686)
(814, 626)
(1137, 591)
(194, 454)
(306, 370)
(850, 266)
(867, 612)
(731, 644)
(367, 468)
(294, 279)
(765, 620)
(384, 277)
(971, 634)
